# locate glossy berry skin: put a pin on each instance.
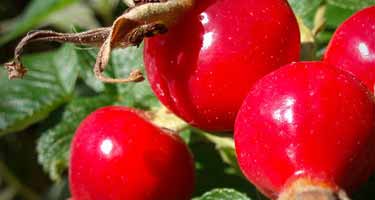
(310, 120)
(352, 47)
(204, 66)
(117, 154)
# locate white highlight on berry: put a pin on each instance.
(106, 147)
(208, 38)
(363, 49)
(204, 19)
(285, 113)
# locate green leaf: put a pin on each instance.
(340, 10)
(211, 170)
(105, 8)
(86, 59)
(137, 95)
(58, 191)
(225, 146)
(223, 194)
(121, 63)
(48, 84)
(336, 15)
(35, 14)
(53, 147)
(352, 4)
(78, 14)
(306, 9)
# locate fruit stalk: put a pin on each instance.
(145, 19)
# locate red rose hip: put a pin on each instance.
(306, 125)
(204, 66)
(352, 47)
(117, 154)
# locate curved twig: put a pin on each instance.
(93, 37)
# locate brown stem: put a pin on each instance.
(132, 3)
(309, 189)
(146, 19)
(93, 37)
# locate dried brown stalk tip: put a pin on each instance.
(15, 70)
(309, 189)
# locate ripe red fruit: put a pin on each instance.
(310, 123)
(116, 154)
(352, 47)
(204, 66)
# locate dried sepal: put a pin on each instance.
(306, 188)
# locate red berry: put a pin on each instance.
(352, 47)
(117, 154)
(306, 120)
(204, 66)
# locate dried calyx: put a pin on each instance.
(305, 188)
(145, 18)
